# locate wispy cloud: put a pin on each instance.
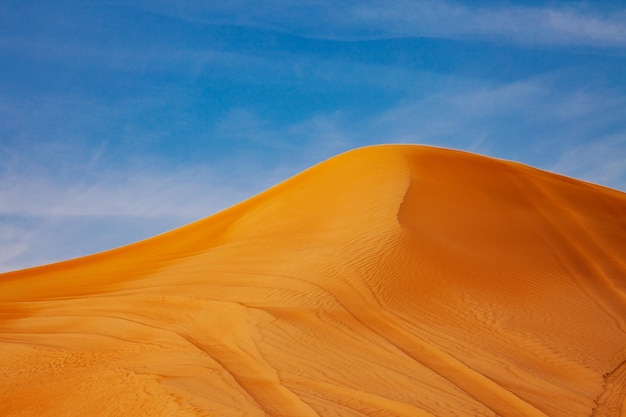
(14, 242)
(289, 147)
(602, 162)
(562, 25)
(179, 195)
(572, 24)
(536, 121)
(39, 215)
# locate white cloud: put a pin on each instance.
(244, 125)
(575, 24)
(45, 219)
(538, 25)
(534, 121)
(602, 162)
(140, 195)
(13, 242)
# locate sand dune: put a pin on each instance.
(387, 281)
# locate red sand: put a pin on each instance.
(387, 281)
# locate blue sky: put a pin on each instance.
(120, 120)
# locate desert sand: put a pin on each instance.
(387, 281)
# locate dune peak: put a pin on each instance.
(390, 280)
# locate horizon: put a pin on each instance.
(123, 120)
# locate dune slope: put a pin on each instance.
(387, 281)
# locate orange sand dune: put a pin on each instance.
(387, 281)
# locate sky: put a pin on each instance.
(120, 120)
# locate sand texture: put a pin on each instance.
(388, 281)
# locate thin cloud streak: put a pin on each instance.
(574, 24)
(42, 220)
(526, 120)
(600, 162)
(534, 119)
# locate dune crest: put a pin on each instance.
(391, 280)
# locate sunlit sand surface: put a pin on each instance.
(387, 281)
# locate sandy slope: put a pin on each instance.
(388, 281)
